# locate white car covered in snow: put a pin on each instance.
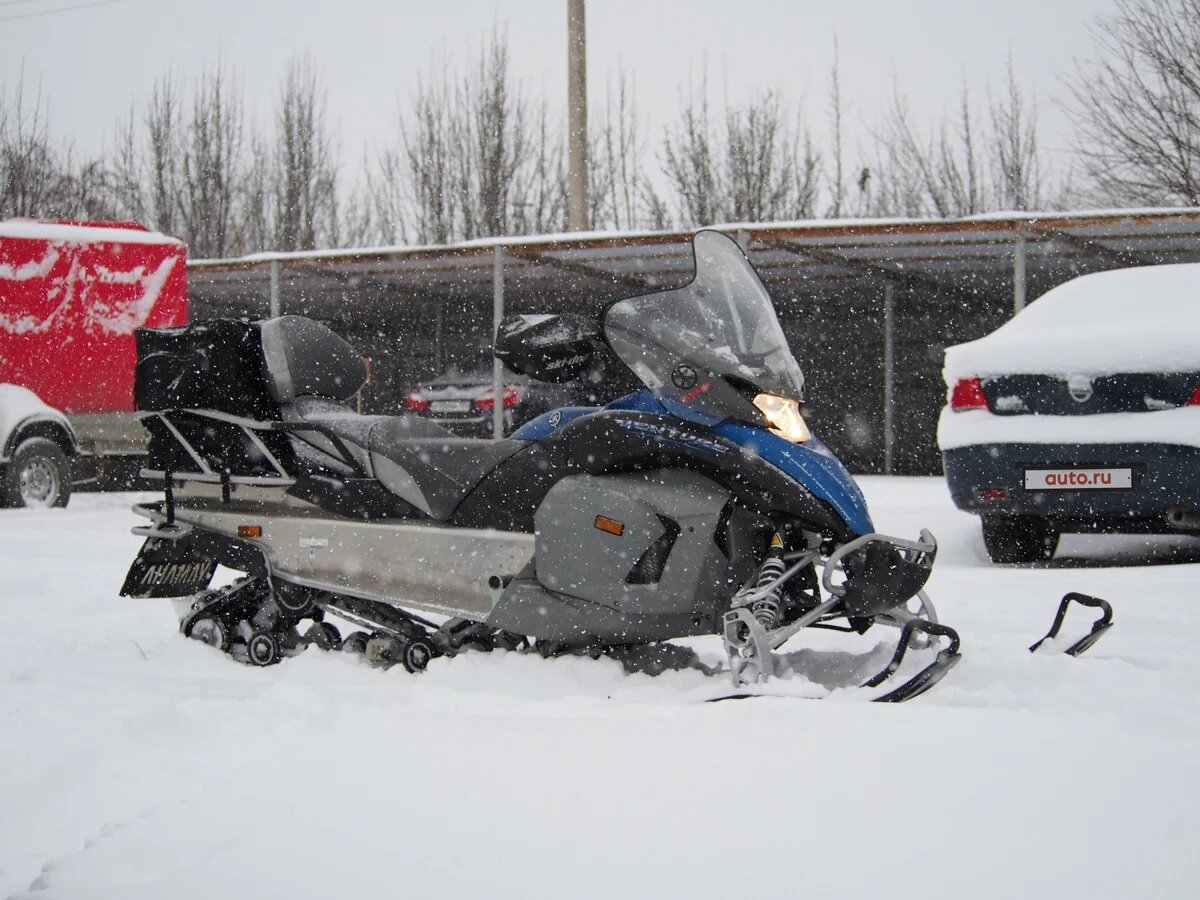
(1080, 414)
(36, 444)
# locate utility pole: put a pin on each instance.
(577, 137)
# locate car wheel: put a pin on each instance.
(38, 475)
(1018, 539)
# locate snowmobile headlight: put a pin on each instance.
(783, 417)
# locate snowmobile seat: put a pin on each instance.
(435, 474)
(417, 460)
(337, 422)
(312, 373)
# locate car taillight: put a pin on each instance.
(415, 402)
(968, 394)
(512, 397)
(1195, 399)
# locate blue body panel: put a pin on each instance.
(548, 423)
(811, 464)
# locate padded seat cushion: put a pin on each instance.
(416, 459)
(436, 474)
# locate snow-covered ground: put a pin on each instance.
(136, 764)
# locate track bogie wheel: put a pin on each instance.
(384, 651)
(325, 635)
(417, 653)
(297, 602)
(355, 642)
(263, 649)
(210, 630)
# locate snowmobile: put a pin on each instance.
(697, 504)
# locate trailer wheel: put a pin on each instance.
(39, 475)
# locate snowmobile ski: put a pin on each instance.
(946, 659)
(1099, 627)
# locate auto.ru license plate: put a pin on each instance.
(1079, 479)
(450, 406)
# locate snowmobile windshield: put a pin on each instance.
(708, 348)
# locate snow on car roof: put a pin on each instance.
(1142, 319)
(18, 403)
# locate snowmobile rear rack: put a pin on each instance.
(1099, 627)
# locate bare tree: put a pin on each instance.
(148, 161)
(305, 172)
(165, 136)
(28, 170)
(937, 174)
(494, 137)
(38, 179)
(428, 138)
(181, 172)
(538, 195)
(689, 161)
(755, 168)
(806, 184)
(83, 190)
(621, 194)
(256, 216)
(837, 187)
(1137, 104)
(476, 157)
(389, 202)
(358, 217)
(961, 167)
(212, 160)
(759, 163)
(1017, 182)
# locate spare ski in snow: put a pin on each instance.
(1100, 626)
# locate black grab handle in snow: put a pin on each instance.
(1100, 626)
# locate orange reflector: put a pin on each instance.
(612, 526)
(249, 531)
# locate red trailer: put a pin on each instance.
(71, 296)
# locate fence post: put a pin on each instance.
(889, 375)
(497, 366)
(276, 300)
(1019, 273)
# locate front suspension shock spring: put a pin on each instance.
(766, 607)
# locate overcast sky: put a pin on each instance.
(92, 62)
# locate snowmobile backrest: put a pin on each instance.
(305, 359)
